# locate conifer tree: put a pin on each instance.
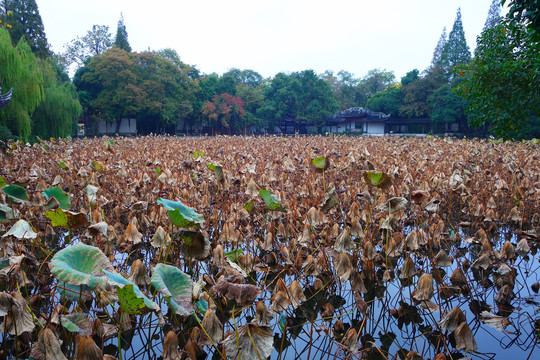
(455, 51)
(494, 15)
(24, 20)
(437, 53)
(121, 40)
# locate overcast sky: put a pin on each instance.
(275, 36)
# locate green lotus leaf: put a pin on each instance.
(4, 263)
(67, 219)
(78, 323)
(96, 166)
(202, 306)
(233, 255)
(249, 207)
(271, 201)
(62, 164)
(218, 171)
(74, 292)
(16, 192)
(59, 195)
(130, 296)
(320, 163)
(180, 214)
(21, 230)
(198, 154)
(379, 180)
(2, 182)
(7, 213)
(175, 286)
(80, 264)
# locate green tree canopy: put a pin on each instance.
(24, 20)
(93, 43)
(501, 83)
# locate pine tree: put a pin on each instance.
(24, 20)
(437, 53)
(455, 51)
(494, 15)
(121, 40)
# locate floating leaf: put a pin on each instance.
(180, 214)
(379, 180)
(21, 230)
(16, 192)
(175, 286)
(271, 201)
(218, 171)
(60, 196)
(78, 323)
(67, 219)
(130, 297)
(80, 264)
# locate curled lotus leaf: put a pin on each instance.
(7, 213)
(379, 180)
(320, 164)
(21, 230)
(180, 214)
(218, 171)
(63, 199)
(80, 264)
(271, 201)
(130, 296)
(194, 243)
(67, 219)
(175, 286)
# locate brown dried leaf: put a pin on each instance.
(243, 294)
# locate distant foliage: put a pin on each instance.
(455, 50)
(121, 39)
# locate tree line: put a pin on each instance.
(495, 90)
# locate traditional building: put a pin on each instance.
(358, 120)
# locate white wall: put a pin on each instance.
(127, 127)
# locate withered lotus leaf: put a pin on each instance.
(395, 204)
(132, 234)
(424, 289)
(176, 287)
(243, 294)
(499, 322)
(67, 219)
(464, 338)
(442, 259)
(17, 319)
(280, 301)
(160, 239)
(86, 348)
(419, 196)
(523, 247)
(344, 242)
(47, 346)
(99, 228)
(343, 266)
(262, 314)
(296, 294)
(21, 230)
(170, 347)
(252, 341)
(77, 323)
(314, 218)
(212, 327)
(350, 340)
(453, 319)
(330, 201)
(194, 243)
(139, 274)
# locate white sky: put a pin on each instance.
(275, 36)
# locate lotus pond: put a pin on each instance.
(285, 248)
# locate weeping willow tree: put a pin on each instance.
(59, 108)
(19, 68)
